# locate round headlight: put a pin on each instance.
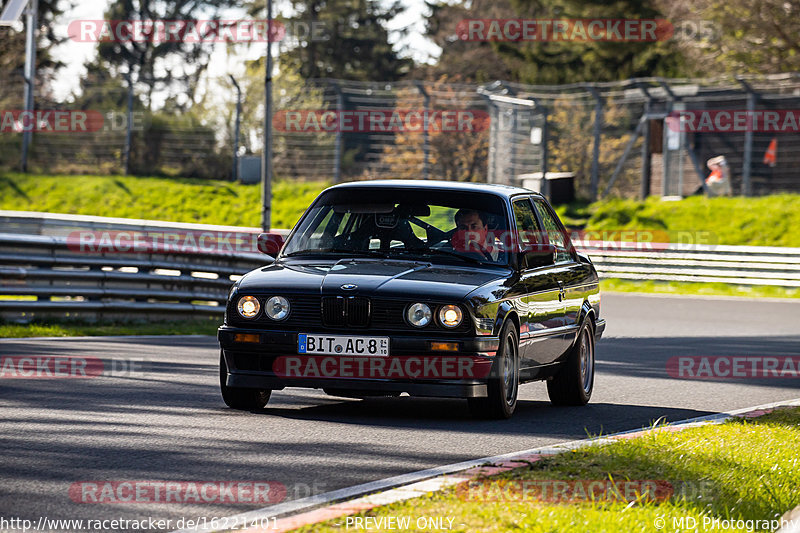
(277, 308)
(419, 315)
(450, 316)
(248, 306)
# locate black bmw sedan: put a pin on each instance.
(431, 288)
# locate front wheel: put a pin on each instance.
(574, 383)
(502, 388)
(239, 398)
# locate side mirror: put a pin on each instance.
(537, 255)
(270, 243)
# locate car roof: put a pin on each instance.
(492, 188)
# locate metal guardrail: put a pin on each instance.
(42, 274)
(737, 265)
(47, 276)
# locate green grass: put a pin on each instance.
(742, 469)
(764, 221)
(77, 329)
(170, 199)
(697, 289)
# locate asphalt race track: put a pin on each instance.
(167, 422)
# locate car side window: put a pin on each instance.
(527, 226)
(555, 232)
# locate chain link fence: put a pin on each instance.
(625, 139)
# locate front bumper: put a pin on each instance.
(263, 364)
(599, 328)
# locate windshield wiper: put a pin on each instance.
(345, 251)
(434, 251)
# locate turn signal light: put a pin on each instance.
(444, 346)
(247, 337)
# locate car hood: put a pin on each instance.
(373, 277)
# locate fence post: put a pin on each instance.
(129, 127)
(494, 115)
(545, 151)
(337, 147)
(747, 159)
(30, 78)
(646, 175)
(426, 147)
(598, 124)
(235, 173)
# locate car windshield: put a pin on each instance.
(404, 223)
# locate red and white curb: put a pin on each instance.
(352, 500)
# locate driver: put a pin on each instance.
(472, 234)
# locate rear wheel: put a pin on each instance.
(239, 398)
(574, 383)
(503, 385)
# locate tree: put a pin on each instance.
(740, 36)
(570, 61)
(150, 61)
(460, 60)
(12, 54)
(455, 156)
(352, 44)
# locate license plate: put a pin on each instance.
(342, 344)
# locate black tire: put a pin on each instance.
(238, 398)
(503, 384)
(573, 384)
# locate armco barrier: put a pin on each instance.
(737, 265)
(42, 275)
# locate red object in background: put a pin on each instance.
(771, 155)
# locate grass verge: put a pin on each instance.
(697, 289)
(763, 221)
(78, 329)
(169, 199)
(739, 470)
